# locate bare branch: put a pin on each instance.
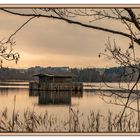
(73, 22)
(19, 28)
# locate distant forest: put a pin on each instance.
(81, 74)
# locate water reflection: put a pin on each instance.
(33, 93)
(3, 91)
(59, 98)
(8, 90)
(55, 97)
(77, 94)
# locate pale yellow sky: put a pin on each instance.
(47, 42)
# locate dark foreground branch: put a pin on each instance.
(58, 17)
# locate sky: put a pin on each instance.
(48, 42)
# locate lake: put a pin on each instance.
(56, 103)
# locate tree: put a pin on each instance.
(6, 51)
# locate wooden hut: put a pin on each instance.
(55, 82)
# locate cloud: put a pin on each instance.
(52, 42)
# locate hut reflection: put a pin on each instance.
(54, 98)
(33, 92)
(77, 94)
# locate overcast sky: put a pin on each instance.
(48, 42)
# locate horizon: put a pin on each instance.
(62, 67)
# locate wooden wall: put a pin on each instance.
(56, 86)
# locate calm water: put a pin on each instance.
(55, 103)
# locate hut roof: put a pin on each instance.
(55, 75)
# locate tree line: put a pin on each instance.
(80, 74)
